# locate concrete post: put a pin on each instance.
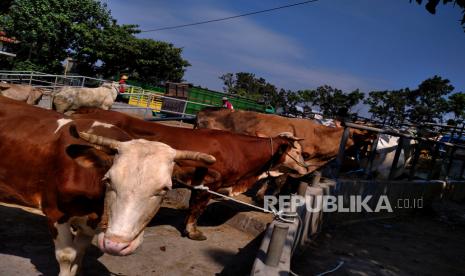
(275, 249)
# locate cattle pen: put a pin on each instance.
(271, 243)
(445, 184)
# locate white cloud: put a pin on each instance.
(232, 46)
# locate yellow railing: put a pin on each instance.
(149, 99)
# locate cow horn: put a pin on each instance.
(290, 136)
(193, 155)
(99, 140)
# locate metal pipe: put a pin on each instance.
(399, 148)
(395, 133)
(433, 161)
(416, 156)
(451, 158)
(275, 248)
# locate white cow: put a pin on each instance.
(385, 152)
(72, 98)
(21, 92)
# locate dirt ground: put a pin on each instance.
(411, 245)
(26, 248)
(418, 244)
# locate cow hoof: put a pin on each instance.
(197, 236)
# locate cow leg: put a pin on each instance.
(198, 203)
(260, 195)
(69, 248)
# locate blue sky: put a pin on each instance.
(366, 44)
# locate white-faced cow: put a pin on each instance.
(68, 168)
(241, 159)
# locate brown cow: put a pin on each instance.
(320, 144)
(46, 164)
(21, 92)
(240, 159)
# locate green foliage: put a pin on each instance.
(388, 106)
(156, 61)
(456, 105)
(427, 103)
(52, 30)
(48, 30)
(331, 100)
(248, 85)
(431, 6)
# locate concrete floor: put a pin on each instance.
(26, 248)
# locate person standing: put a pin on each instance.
(227, 104)
(122, 90)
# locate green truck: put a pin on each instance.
(198, 98)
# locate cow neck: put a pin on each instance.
(275, 156)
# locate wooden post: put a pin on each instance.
(275, 249)
(372, 156)
(342, 148)
(399, 149)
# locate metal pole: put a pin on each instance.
(275, 248)
(433, 161)
(416, 156)
(149, 99)
(462, 169)
(451, 158)
(372, 155)
(342, 148)
(400, 146)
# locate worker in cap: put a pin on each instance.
(227, 104)
(122, 89)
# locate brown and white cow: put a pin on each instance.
(240, 159)
(68, 168)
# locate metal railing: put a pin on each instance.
(430, 145)
(142, 101)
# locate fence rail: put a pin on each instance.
(431, 145)
(144, 102)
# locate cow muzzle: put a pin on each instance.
(116, 246)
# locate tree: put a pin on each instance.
(456, 105)
(248, 85)
(48, 29)
(52, 30)
(331, 100)
(432, 4)
(427, 103)
(157, 61)
(388, 106)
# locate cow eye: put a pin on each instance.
(306, 155)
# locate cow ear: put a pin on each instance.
(259, 134)
(89, 157)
